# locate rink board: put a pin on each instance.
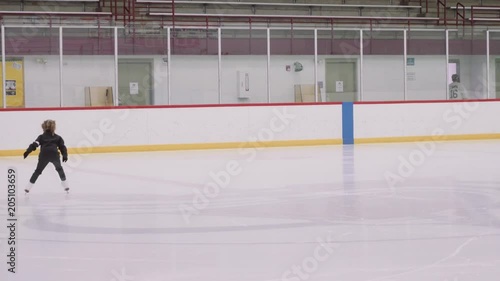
(97, 130)
(426, 121)
(176, 128)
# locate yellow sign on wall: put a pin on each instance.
(14, 83)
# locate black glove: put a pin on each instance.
(30, 149)
(65, 158)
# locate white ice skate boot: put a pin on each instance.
(65, 185)
(28, 187)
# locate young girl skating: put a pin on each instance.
(50, 144)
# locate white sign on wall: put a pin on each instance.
(339, 86)
(134, 88)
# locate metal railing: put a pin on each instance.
(442, 4)
(174, 17)
(491, 10)
(217, 20)
(57, 17)
(462, 16)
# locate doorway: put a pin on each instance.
(135, 80)
(341, 80)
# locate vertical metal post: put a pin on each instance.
(4, 91)
(405, 57)
(447, 35)
(61, 52)
(219, 73)
(169, 62)
(115, 92)
(488, 64)
(268, 65)
(361, 53)
(316, 65)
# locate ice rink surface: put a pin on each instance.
(393, 212)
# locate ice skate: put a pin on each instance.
(65, 185)
(28, 188)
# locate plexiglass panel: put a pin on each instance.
(32, 67)
(194, 66)
(339, 65)
(467, 64)
(292, 66)
(426, 65)
(244, 66)
(494, 58)
(143, 67)
(88, 67)
(383, 66)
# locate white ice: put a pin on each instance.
(326, 213)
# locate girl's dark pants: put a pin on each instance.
(43, 160)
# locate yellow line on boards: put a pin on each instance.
(233, 145)
(194, 146)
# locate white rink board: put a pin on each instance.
(152, 126)
(423, 119)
